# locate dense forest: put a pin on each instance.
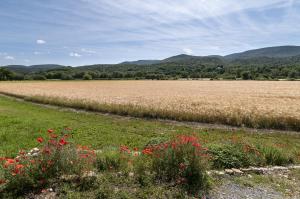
(260, 64)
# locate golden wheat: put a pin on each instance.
(250, 103)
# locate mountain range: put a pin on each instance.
(264, 63)
(269, 52)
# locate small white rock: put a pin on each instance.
(131, 174)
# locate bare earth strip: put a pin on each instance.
(261, 104)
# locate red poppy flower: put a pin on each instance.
(62, 142)
(135, 149)
(19, 166)
(40, 140)
(9, 161)
(50, 130)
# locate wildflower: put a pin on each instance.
(147, 151)
(17, 169)
(19, 166)
(62, 142)
(50, 130)
(9, 162)
(40, 140)
(135, 149)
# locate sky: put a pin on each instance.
(82, 32)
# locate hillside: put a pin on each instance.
(282, 62)
(271, 52)
(33, 68)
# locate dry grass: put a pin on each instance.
(261, 104)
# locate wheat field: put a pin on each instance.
(261, 104)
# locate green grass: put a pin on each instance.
(22, 122)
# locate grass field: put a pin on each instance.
(241, 103)
(22, 122)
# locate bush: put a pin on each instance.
(55, 157)
(182, 161)
(87, 77)
(235, 155)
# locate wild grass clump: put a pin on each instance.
(238, 154)
(275, 156)
(108, 160)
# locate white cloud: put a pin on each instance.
(37, 53)
(26, 60)
(74, 54)
(40, 41)
(9, 57)
(88, 51)
(187, 51)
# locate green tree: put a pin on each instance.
(87, 76)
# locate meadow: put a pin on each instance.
(23, 125)
(257, 104)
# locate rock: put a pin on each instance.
(237, 171)
(98, 151)
(228, 171)
(220, 172)
(279, 168)
(50, 190)
(69, 178)
(89, 174)
(294, 167)
(131, 174)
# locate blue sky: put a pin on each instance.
(79, 32)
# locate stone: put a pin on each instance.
(228, 171)
(131, 174)
(237, 171)
(89, 174)
(294, 167)
(220, 172)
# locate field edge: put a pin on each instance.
(237, 120)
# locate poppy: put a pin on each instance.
(40, 140)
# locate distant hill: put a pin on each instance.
(271, 52)
(33, 68)
(141, 62)
(282, 62)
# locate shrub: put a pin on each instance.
(235, 155)
(87, 77)
(181, 160)
(56, 156)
